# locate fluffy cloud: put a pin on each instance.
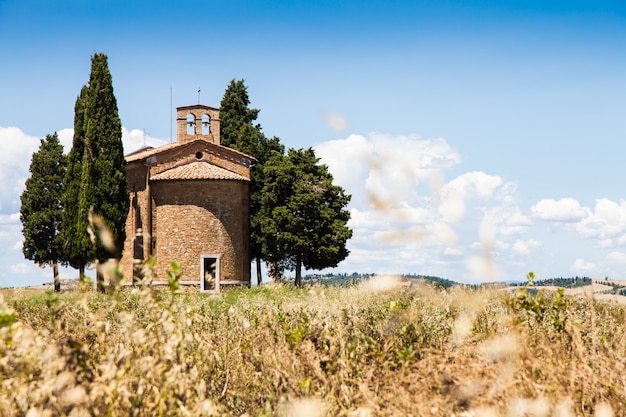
(15, 151)
(405, 214)
(615, 256)
(563, 210)
(580, 267)
(135, 139)
(605, 223)
(524, 247)
(387, 168)
(20, 268)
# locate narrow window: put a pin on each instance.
(206, 124)
(191, 124)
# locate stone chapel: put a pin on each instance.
(190, 203)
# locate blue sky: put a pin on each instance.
(479, 139)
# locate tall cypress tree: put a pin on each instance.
(104, 166)
(238, 131)
(77, 247)
(42, 208)
(96, 175)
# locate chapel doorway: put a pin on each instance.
(210, 273)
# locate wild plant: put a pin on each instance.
(364, 350)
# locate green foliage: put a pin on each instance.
(41, 211)
(77, 247)
(303, 217)
(538, 307)
(104, 173)
(96, 174)
(237, 131)
(572, 282)
(173, 277)
(236, 119)
(7, 317)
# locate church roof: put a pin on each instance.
(198, 171)
(149, 151)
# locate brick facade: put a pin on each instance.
(197, 121)
(190, 203)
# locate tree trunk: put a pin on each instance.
(81, 273)
(57, 281)
(259, 277)
(299, 272)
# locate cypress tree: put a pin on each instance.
(104, 167)
(77, 247)
(41, 209)
(96, 175)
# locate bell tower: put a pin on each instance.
(197, 122)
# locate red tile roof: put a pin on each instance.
(198, 171)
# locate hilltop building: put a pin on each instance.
(190, 203)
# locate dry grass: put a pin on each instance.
(368, 350)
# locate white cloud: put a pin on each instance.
(619, 257)
(411, 215)
(347, 161)
(135, 139)
(607, 221)
(453, 196)
(386, 170)
(581, 267)
(132, 140)
(524, 247)
(13, 218)
(66, 137)
(563, 210)
(453, 251)
(16, 149)
(20, 268)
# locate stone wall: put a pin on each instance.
(184, 219)
(202, 217)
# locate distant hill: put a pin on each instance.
(572, 282)
(443, 282)
(348, 279)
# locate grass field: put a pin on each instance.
(366, 350)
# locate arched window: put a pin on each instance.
(191, 124)
(206, 124)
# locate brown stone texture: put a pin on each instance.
(194, 115)
(201, 218)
